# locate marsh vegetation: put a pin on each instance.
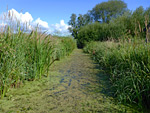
(49, 74)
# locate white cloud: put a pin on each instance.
(61, 27)
(12, 17)
(62, 23)
(22, 18)
(41, 23)
(25, 19)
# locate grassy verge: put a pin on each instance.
(129, 67)
(33, 95)
(28, 56)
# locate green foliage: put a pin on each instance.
(73, 23)
(124, 26)
(100, 32)
(109, 20)
(129, 67)
(133, 22)
(104, 11)
(89, 33)
(147, 12)
(138, 21)
(107, 10)
(77, 22)
(64, 48)
(28, 56)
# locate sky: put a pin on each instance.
(55, 14)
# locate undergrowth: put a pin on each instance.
(129, 67)
(28, 56)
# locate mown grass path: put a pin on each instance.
(75, 85)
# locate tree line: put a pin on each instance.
(109, 20)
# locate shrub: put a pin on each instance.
(100, 32)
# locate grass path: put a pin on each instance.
(75, 85)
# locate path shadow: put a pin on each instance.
(104, 81)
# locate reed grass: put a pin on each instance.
(28, 56)
(128, 65)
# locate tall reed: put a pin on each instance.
(28, 56)
(129, 67)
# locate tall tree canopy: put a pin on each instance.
(103, 12)
(106, 10)
(73, 24)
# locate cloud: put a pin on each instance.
(26, 21)
(61, 28)
(40, 23)
(22, 18)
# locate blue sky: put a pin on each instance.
(54, 11)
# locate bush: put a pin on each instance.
(100, 32)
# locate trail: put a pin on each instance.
(75, 85)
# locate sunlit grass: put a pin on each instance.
(28, 56)
(129, 67)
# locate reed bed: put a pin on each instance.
(128, 65)
(28, 56)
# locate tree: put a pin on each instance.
(147, 14)
(124, 21)
(138, 21)
(73, 24)
(106, 10)
(147, 11)
(87, 18)
(77, 22)
(80, 21)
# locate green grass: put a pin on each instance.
(129, 67)
(28, 56)
(41, 96)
